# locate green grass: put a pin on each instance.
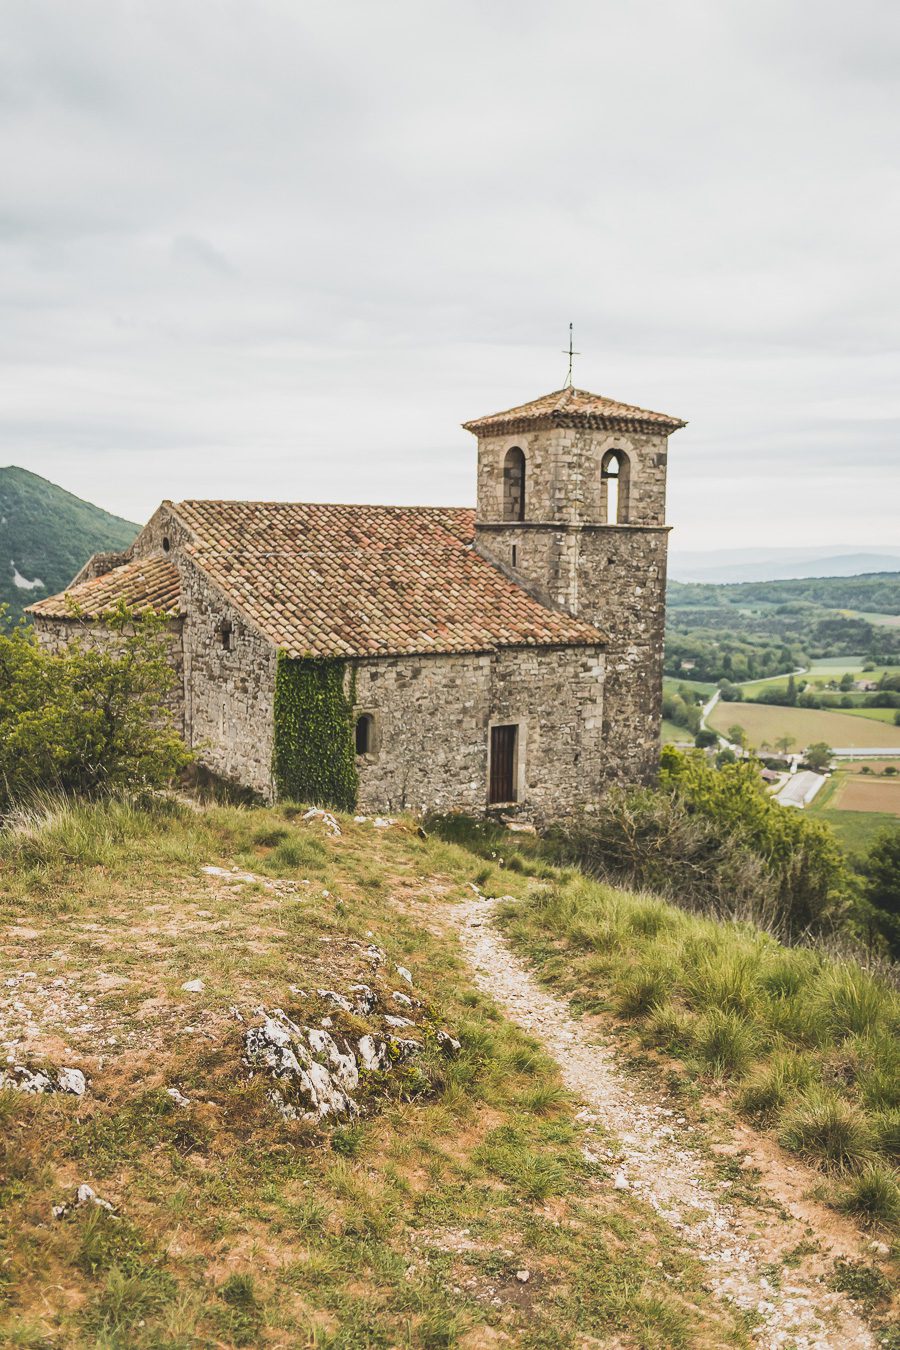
(235, 1228)
(671, 684)
(856, 831)
(807, 1045)
(876, 714)
(672, 734)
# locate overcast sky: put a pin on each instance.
(283, 248)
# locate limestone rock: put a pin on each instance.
(39, 1081)
(85, 1195)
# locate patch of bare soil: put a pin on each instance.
(658, 1158)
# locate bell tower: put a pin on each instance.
(571, 506)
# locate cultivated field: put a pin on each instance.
(765, 723)
(858, 793)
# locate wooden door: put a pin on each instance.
(503, 764)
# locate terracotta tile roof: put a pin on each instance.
(335, 581)
(148, 583)
(573, 408)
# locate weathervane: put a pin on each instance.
(571, 353)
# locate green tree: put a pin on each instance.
(705, 739)
(737, 735)
(881, 869)
(805, 865)
(92, 717)
(791, 695)
(818, 756)
(784, 743)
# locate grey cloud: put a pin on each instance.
(282, 250)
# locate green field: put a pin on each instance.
(880, 620)
(672, 734)
(856, 830)
(820, 672)
(765, 723)
(876, 714)
(672, 683)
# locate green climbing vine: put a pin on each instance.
(315, 754)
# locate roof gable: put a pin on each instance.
(146, 583)
(572, 407)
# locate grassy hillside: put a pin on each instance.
(463, 1207)
(46, 535)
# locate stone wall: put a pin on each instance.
(57, 634)
(432, 719)
(622, 589)
(563, 482)
(229, 690)
(556, 695)
(430, 732)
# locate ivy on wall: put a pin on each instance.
(314, 758)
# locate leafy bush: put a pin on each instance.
(712, 840)
(804, 869)
(90, 718)
(652, 841)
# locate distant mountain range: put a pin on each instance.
(46, 536)
(787, 564)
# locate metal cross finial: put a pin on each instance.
(570, 353)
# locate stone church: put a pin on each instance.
(508, 657)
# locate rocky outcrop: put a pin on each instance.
(22, 1079)
(316, 1072)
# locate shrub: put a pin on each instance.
(651, 841)
(804, 868)
(874, 1196)
(771, 1086)
(90, 718)
(825, 1127)
(725, 1042)
(881, 869)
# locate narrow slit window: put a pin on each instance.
(225, 635)
(515, 555)
(364, 737)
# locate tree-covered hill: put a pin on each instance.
(46, 535)
(753, 629)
